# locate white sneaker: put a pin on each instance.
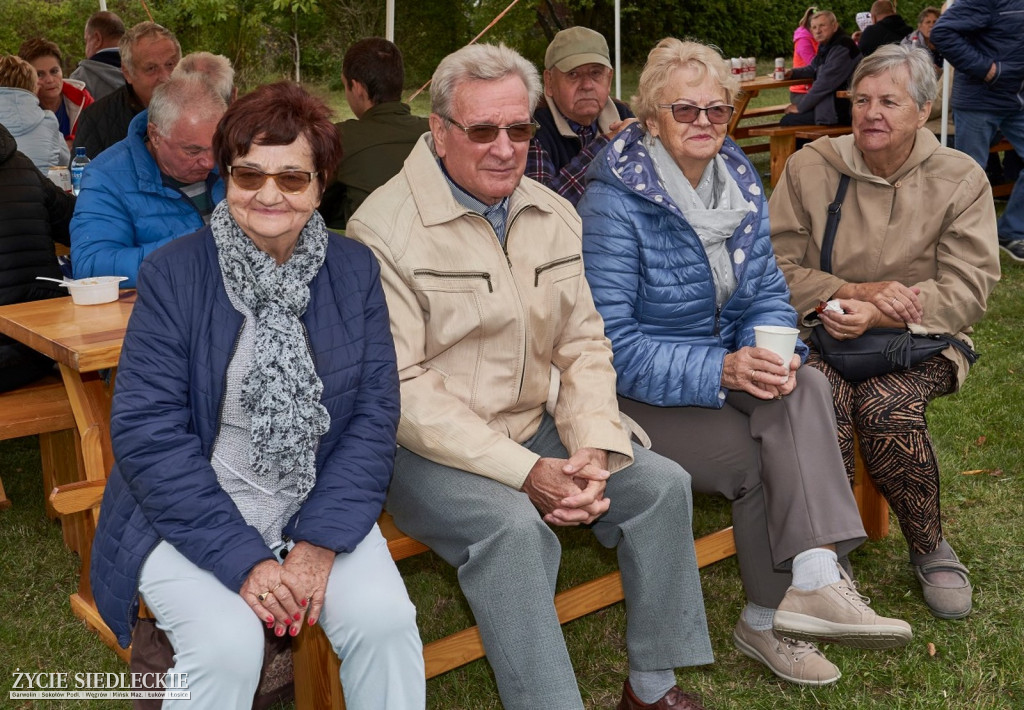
(798, 662)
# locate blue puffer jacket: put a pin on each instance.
(972, 34)
(125, 212)
(652, 282)
(166, 411)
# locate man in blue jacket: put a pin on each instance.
(157, 184)
(984, 41)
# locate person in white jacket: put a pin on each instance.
(35, 130)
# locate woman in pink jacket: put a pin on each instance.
(804, 49)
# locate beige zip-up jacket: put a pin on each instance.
(932, 225)
(477, 328)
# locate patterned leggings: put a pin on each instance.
(888, 414)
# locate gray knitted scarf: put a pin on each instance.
(282, 390)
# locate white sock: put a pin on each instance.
(758, 617)
(815, 568)
(651, 686)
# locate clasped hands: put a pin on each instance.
(291, 590)
(570, 491)
(877, 304)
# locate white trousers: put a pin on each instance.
(218, 640)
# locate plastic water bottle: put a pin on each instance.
(78, 164)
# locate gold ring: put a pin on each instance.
(752, 375)
(263, 597)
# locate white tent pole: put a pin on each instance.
(946, 91)
(618, 53)
(103, 5)
(946, 76)
(389, 21)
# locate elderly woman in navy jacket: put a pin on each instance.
(253, 425)
(678, 256)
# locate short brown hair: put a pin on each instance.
(32, 49)
(375, 63)
(16, 73)
(106, 23)
(277, 114)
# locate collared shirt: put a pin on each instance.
(567, 181)
(496, 214)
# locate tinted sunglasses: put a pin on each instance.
(290, 181)
(685, 113)
(488, 132)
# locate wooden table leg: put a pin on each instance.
(60, 453)
(782, 146)
(740, 102)
(90, 397)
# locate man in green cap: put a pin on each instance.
(578, 116)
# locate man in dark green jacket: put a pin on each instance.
(377, 141)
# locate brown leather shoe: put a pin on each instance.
(675, 698)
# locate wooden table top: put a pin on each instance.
(763, 83)
(85, 338)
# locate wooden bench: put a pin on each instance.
(782, 142)
(317, 684)
(42, 408)
(740, 132)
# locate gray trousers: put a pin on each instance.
(507, 559)
(778, 461)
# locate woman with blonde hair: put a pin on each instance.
(678, 256)
(35, 130)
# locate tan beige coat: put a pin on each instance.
(932, 225)
(478, 328)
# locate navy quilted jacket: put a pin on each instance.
(166, 410)
(652, 282)
(972, 34)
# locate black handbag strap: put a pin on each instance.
(832, 224)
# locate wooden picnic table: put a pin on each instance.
(84, 340)
(750, 90)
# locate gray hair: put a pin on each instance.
(480, 62)
(180, 94)
(825, 13)
(671, 54)
(916, 61)
(214, 68)
(140, 32)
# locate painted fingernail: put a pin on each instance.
(279, 631)
(294, 631)
(270, 619)
(297, 616)
(303, 602)
(312, 621)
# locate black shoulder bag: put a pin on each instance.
(879, 350)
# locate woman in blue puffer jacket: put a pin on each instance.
(678, 256)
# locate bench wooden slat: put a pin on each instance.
(37, 408)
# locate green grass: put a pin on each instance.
(978, 662)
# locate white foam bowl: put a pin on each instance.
(94, 289)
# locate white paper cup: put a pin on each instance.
(777, 338)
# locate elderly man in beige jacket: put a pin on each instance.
(489, 307)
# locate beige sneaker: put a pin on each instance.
(838, 613)
(796, 661)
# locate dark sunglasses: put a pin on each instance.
(685, 113)
(488, 132)
(290, 181)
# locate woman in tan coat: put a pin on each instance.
(915, 248)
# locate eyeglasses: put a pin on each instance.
(290, 181)
(685, 113)
(488, 132)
